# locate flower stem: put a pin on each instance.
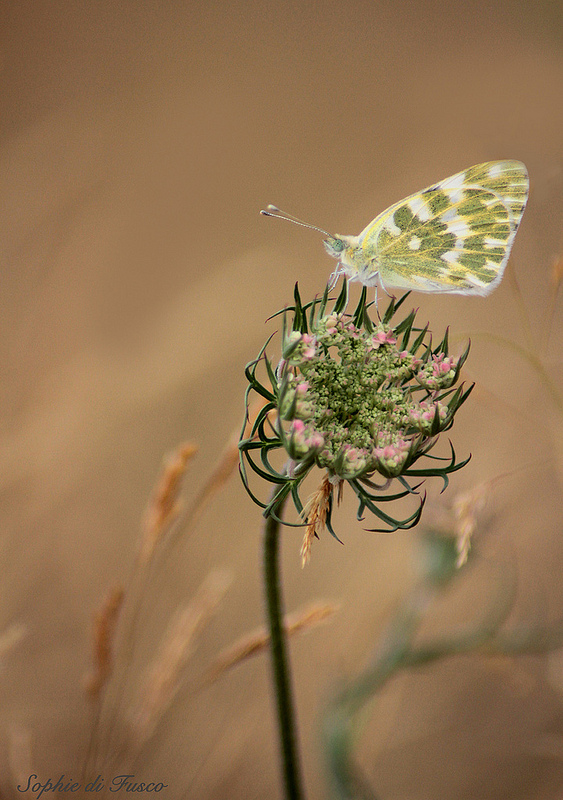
(280, 663)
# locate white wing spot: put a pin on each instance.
(451, 256)
(459, 227)
(392, 227)
(490, 242)
(448, 215)
(456, 182)
(456, 195)
(459, 244)
(414, 243)
(495, 170)
(419, 208)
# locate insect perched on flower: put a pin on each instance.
(455, 236)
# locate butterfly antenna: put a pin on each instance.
(274, 211)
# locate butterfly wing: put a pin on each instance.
(454, 236)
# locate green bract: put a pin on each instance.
(354, 398)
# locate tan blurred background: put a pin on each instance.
(139, 141)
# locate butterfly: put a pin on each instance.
(455, 236)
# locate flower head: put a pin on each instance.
(356, 399)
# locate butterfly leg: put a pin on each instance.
(380, 283)
(382, 286)
(334, 277)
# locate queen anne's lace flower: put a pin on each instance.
(361, 395)
(357, 400)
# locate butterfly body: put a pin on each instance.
(455, 236)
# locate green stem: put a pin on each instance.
(280, 663)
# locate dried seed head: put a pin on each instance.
(105, 625)
(164, 676)
(557, 272)
(164, 505)
(466, 509)
(315, 514)
(258, 640)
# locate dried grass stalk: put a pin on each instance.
(164, 506)
(105, 625)
(557, 272)
(315, 515)
(258, 640)
(466, 508)
(177, 645)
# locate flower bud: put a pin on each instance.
(438, 373)
(422, 415)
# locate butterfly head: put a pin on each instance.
(335, 246)
(347, 250)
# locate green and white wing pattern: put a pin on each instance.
(454, 236)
